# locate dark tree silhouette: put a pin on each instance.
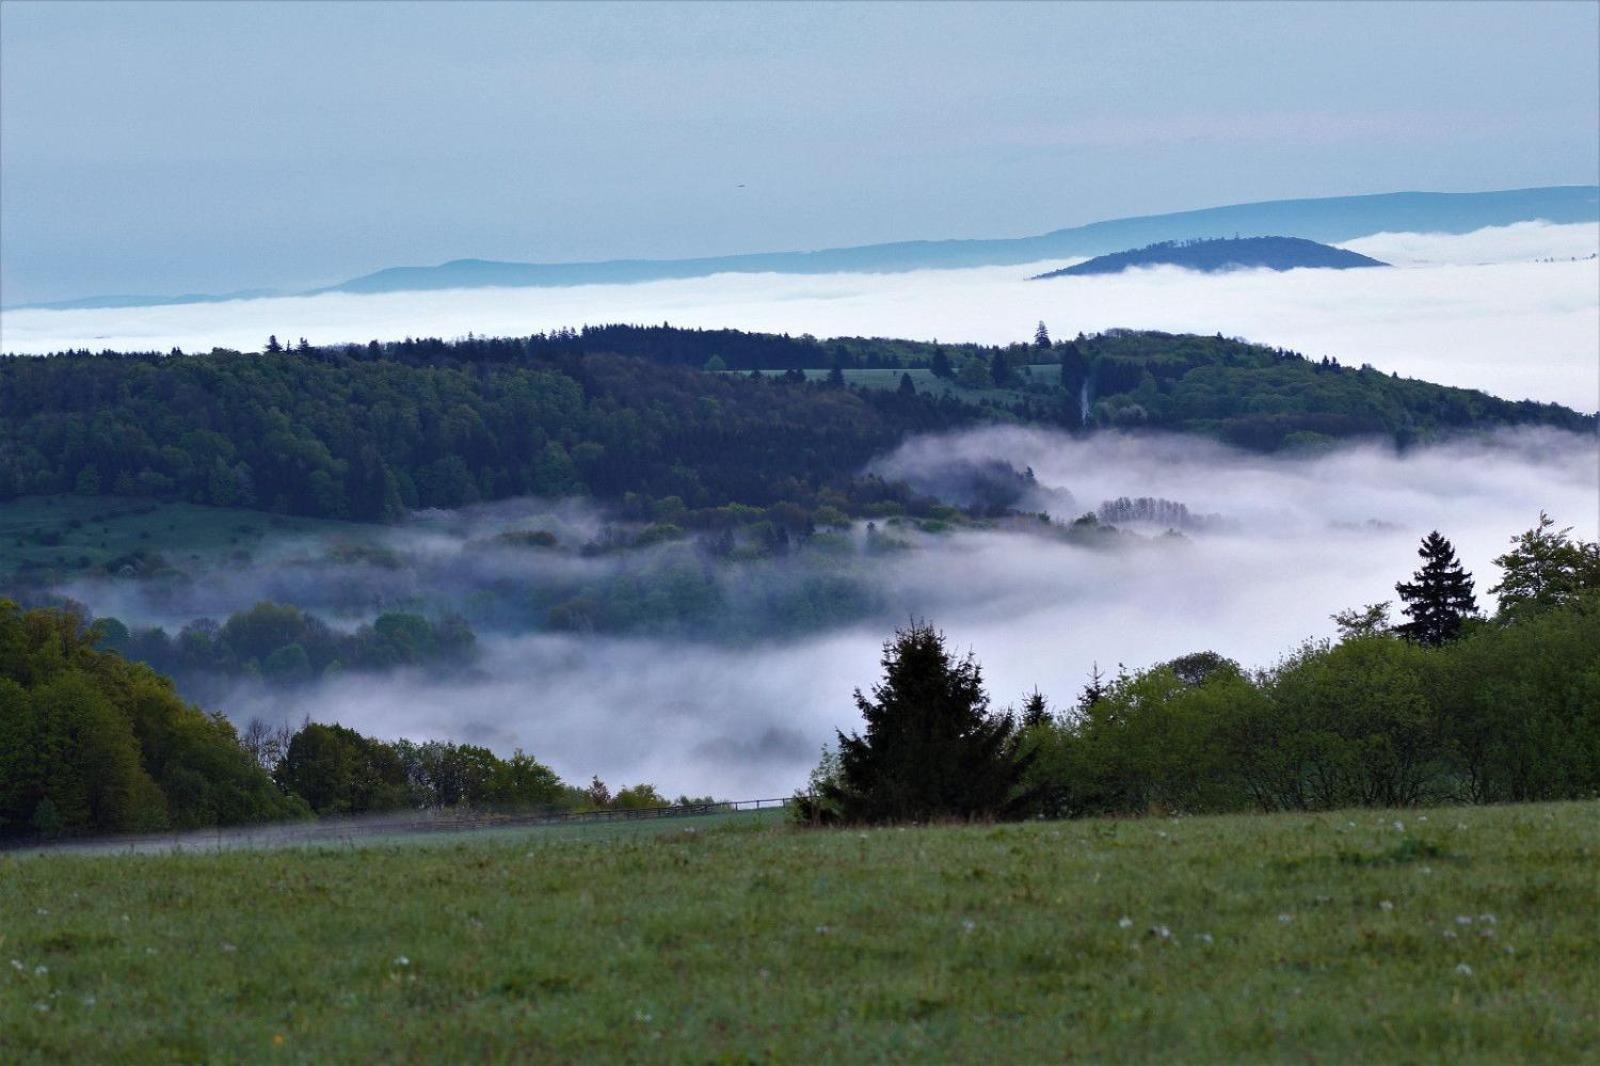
(1041, 336)
(1094, 690)
(1439, 596)
(1000, 369)
(1035, 709)
(907, 386)
(932, 749)
(273, 345)
(941, 365)
(1074, 380)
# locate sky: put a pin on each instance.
(159, 148)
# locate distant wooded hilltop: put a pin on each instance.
(1224, 253)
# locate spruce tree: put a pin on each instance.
(941, 365)
(1000, 370)
(907, 386)
(1439, 596)
(931, 749)
(1041, 336)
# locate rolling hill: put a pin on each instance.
(1222, 254)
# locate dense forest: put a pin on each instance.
(1223, 253)
(369, 432)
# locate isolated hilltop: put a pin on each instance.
(1224, 253)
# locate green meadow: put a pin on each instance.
(49, 537)
(1446, 935)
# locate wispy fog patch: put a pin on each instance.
(1300, 538)
(1516, 327)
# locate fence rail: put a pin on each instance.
(340, 830)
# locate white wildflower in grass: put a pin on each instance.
(968, 925)
(1399, 826)
(1206, 938)
(1463, 919)
(1422, 817)
(41, 911)
(1124, 922)
(1486, 919)
(1449, 934)
(42, 1008)
(1510, 950)
(88, 1001)
(1463, 969)
(1486, 932)
(1161, 932)
(1386, 905)
(1461, 825)
(1285, 918)
(822, 930)
(40, 970)
(16, 964)
(1425, 871)
(228, 948)
(401, 960)
(643, 1017)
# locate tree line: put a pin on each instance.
(367, 432)
(1445, 707)
(92, 742)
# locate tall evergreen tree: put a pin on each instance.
(941, 365)
(1074, 381)
(1000, 369)
(1439, 596)
(1041, 336)
(1035, 709)
(932, 749)
(907, 386)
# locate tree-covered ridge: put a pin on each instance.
(366, 432)
(1223, 253)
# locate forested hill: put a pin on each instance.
(1225, 253)
(366, 432)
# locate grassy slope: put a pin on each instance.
(64, 534)
(983, 943)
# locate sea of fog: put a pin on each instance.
(1514, 310)
(1299, 539)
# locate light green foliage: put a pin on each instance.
(1545, 568)
(1359, 937)
(90, 742)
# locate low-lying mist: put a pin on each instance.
(739, 706)
(1482, 310)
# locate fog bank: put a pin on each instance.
(1477, 310)
(1302, 537)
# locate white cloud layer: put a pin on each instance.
(1479, 310)
(1306, 537)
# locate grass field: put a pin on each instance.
(60, 535)
(1467, 935)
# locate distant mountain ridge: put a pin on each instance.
(1214, 255)
(1328, 220)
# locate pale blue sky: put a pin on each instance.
(161, 148)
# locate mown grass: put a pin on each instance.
(1463, 935)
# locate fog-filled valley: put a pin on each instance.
(722, 664)
(716, 651)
